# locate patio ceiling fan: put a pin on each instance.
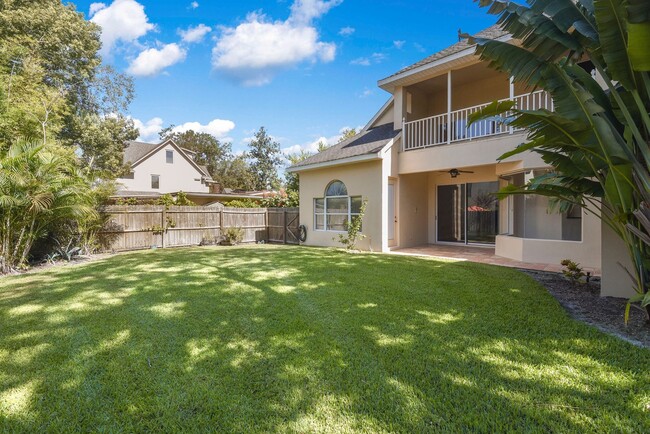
(455, 172)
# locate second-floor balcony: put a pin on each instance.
(453, 126)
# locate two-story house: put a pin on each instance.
(163, 168)
(428, 178)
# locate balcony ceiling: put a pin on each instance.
(459, 77)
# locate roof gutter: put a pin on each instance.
(340, 162)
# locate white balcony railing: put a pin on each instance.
(453, 126)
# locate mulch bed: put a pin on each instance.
(584, 303)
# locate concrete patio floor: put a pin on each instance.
(480, 254)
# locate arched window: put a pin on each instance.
(333, 211)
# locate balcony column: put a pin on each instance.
(449, 128)
(512, 97)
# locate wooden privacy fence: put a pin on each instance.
(146, 226)
(283, 225)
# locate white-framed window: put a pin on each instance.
(155, 181)
(333, 211)
(169, 156)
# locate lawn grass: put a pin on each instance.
(295, 339)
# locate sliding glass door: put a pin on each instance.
(468, 213)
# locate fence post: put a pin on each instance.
(163, 225)
(266, 224)
(284, 225)
(221, 224)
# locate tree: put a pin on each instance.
(101, 140)
(265, 156)
(41, 187)
(209, 151)
(347, 133)
(56, 87)
(235, 172)
(596, 139)
(292, 181)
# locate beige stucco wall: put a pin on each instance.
(586, 252)
(615, 281)
(413, 210)
(179, 176)
(385, 118)
(479, 91)
(361, 179)
(468, 153)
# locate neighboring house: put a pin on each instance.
(166, 168)
(428, 178)
(163, 168)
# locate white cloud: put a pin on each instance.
(346, 31)
(149, 130)
(194, 34)
(95, 7)
(194, 5)
(219, 128)
(123, 20)
(374, 58)
(254, 51)
(366, 93)
(152, 61)
(399, 44)
(305, 11)
(313, 145)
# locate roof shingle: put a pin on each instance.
(367, 142)
(492, 32)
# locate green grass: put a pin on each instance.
(275, 339)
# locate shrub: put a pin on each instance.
(243, 203)
(41, 187)
(233, 236)
(572, 271)
(353, 235)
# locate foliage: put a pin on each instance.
(353, 235)
(265, 156)
(40, 187)
(101, 140)
(208, 151)
(347, 133)
(168, 200)
(281, 199)
(312, 340)
(596, 139)
(243, 203)
(572, 271)
(57, 90)
(182, 200)
(233, 235)
(126, 201)
(235, 173)
(292, 179)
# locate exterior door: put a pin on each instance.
(468, 213)
(392, 214)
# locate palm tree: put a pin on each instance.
(40, 186)
(597, 139)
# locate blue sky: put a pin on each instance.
(304, 69)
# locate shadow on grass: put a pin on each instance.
(300, 339)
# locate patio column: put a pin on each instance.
(449, 127)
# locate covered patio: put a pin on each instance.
(483, 255)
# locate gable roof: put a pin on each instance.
(137, 152)
(492, 32)
(366, 143)
(134, 151)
